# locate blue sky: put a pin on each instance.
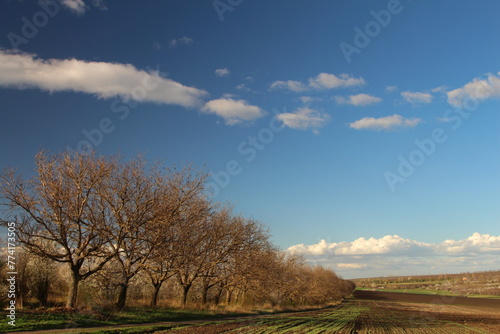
(364, 134)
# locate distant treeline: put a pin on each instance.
(101, 230)
(425, 278)
(485, 283)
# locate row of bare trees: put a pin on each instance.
(129, 220)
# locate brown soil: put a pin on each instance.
(210, 329)
(369, 312)
(428, 299)
(378, 312)
(433, 315)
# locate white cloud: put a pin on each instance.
(329, 81)
(416, 97)
(76, 6)
(233, 111)
(440, 89)
(229, 96)
(391, 89)
(476, 90)
(390, 244)
(385, 123)
(304, 118)
(79, 7)
(99, 4)
(181, 41)
(105, 80)
(475, 244)
(222, 72)
(294, 86)
(393, 255)
(351, 265)
(322, 81)
(243, 87)
(309, 99)
(358, 100)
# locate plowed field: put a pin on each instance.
(374, 312)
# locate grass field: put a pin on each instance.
(373, 313)
(368, 312)
(430, 292)
(60, 318)
(478, 284)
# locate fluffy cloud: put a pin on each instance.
(304, 118)
(385, 123)
(390, 244)
(358, 100)
(79, 7)
(222, 72)
(294, 86)
(322, 81)
(308, 99)
(99, 4)
(233, 111)
(440, 89)
(475, 244)
(390, 89)
(416, 97)
(476, 90)
(104, 80)
(181, 41)
(329, 81)
(76, 6)
(243, 87)
(393, 254)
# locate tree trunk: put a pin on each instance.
(43, 291)
(20, 301)
(218, 296)
(73, 289)
(122, 296)
(185, 291)
(205, 294)
(156, 292)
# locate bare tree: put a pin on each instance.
(160, 269)
(251, 269)
(136, 219)
(42, 273)
(192, 243)
(232, 237)
(135, 196)
(61, 215)
(184, 193)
